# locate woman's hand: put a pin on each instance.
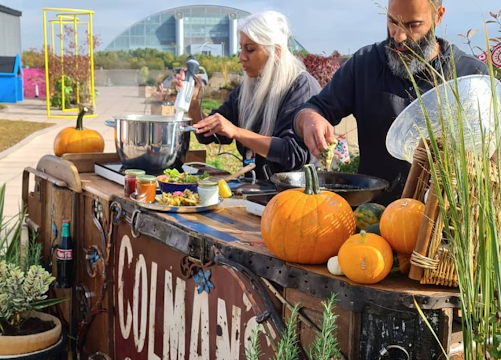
(179, 78)
(216, 124)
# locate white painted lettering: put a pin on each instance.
(141, 277)
(151, 322)
(225, 350)
(125, 325)
(249, 329)
(200, 320)
(174, 319)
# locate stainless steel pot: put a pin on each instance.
(150, 141)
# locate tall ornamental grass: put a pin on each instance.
(470, 203)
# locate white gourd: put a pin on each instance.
(333, 266)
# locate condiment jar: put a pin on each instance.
(130, 180)
(208, 191)
(146, 188)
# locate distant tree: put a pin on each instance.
(33, 58)
(322, 67)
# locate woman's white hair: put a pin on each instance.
(262, 96)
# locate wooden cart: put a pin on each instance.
(151, 285)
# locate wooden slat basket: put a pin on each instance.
(432, 261)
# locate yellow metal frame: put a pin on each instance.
(67, 17)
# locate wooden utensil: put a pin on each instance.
(224, 188)
(240, 172)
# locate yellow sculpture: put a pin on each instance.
(69, 17)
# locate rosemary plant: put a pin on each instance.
(325, 346)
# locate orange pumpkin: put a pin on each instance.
(400, 224)
(78, 139)
(307, 226)
(366, 258)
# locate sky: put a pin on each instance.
(321, 26)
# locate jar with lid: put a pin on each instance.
(146, 188)
(130, 180)
(208, 191)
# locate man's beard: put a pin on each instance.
(419, 51)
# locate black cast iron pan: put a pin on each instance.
(355, 188)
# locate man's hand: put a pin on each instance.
(316, 131)
(216, 124)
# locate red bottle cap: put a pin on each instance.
(66, 221)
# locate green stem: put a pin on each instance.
(363, 235)
(311, 187)
(80, 119)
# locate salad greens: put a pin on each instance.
(174, 176)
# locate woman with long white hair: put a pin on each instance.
(258, 114)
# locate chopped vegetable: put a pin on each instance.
(327, 156)
(178, 198)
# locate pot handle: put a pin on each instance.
(394, 183)
(110, 123)
(187, 128)
(267, 172)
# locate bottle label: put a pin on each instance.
(64, 254)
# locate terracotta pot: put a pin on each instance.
(14, 345)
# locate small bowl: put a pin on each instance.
(168, 187)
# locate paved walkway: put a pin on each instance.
(110, 102)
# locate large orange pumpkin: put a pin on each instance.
(400, 224)
(78, 139)
(366, 258)
(307, 226)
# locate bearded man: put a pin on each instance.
(375, 87)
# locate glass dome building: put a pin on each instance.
(187, 30)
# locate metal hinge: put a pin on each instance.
(197, 248)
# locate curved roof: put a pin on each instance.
(201, 24)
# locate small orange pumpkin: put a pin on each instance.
(366, 258)
(78, 139)
(307, 226)
(400, 224)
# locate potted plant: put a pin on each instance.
(23, 288)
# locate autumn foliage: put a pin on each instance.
(322, 67)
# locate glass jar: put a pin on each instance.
(208, 191)
(130, 180)
(146, 188)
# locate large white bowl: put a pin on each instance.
(473, 93)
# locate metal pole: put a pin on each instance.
(53, 43)
(91, 55)
(75, 30)
(47, 95)
(62, 61)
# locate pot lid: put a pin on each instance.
(150, 118)
(136, 172)
(207, 183)
(146, 178)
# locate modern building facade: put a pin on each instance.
(10, 31)
(192, 29)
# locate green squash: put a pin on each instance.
(401, 264)
(368, 214)
(373, 229)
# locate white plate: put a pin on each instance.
(175, 209)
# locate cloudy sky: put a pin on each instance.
(320, 25)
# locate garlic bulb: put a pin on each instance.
(333, 266)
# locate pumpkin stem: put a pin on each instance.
(363, 235)
(80, 118)
(312, 187)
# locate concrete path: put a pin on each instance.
(111, 101)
